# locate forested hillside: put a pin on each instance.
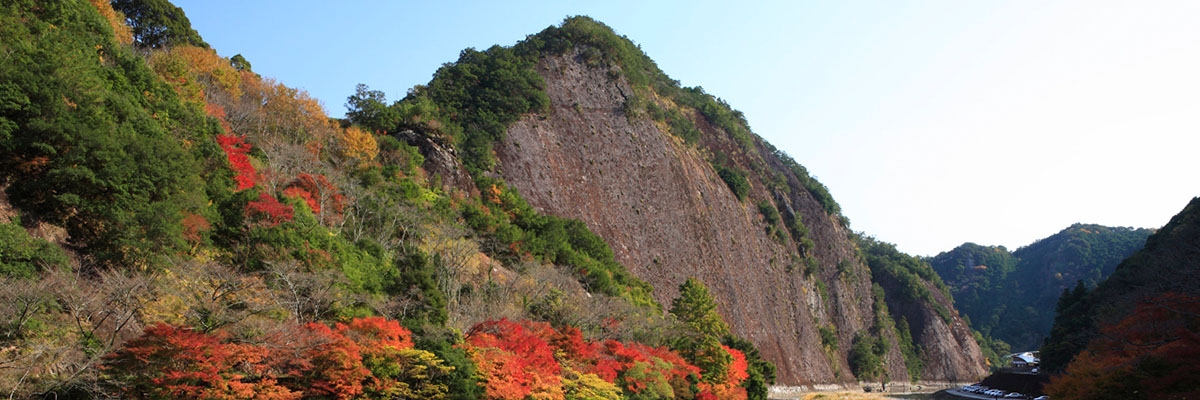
(1137, 334)
(1010, 296)
(175, 225)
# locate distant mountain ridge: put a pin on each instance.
(1010, 296)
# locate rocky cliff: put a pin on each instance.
(668, 214)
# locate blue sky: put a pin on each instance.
(933, 123)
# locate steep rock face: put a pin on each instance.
(668, 215)
(950, 353)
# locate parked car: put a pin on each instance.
(1042, 398)
(1014, 395)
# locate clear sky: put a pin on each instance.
(932, 122)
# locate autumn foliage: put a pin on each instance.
(268, 210)
(169, 362)
(317, 192)
(115, 20)
(518, 360)
(1150, 354)
(235, 151)
(359, 145)
(367, 358)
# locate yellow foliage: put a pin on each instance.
(204, 295)
(288, 113)
(359, 145)
(188, 68)
(410, 374)
(174, 69)
(205, 63)
(588, 387)
(115, 19)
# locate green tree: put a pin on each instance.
(865, 358)
(369, 109)
(92, 143)
(158, 23)
(239, 63)
(701, 343)
(696, 308)
(24, 256)
(736, 180)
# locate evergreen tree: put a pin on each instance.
(701, 342)
(696, 308)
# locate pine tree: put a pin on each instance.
(696, 308)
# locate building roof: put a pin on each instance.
(1026, 357)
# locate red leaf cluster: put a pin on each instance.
(316, 190)
(318, 362)
(524, 359)
(175, 362)
(269, 210)
(235, 151)
(515, 359)
(729, 388)
(194, 226)
(738, 369)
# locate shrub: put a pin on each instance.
(23, 256)
(736, 180)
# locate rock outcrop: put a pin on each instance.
(667, 215)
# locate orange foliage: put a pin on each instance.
(218, 112)
(729, 389)
(336, 365)
(173, 362)
(494, 193)
(518, 360)
(318, 362)
(1151, 352)
(193, 226)
(738, 368)
(515, 360)
(288, 113)
(206, 64)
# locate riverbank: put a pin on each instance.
(861, 390)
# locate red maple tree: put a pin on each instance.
(269, 210)
(235, 151)
(176, 362)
